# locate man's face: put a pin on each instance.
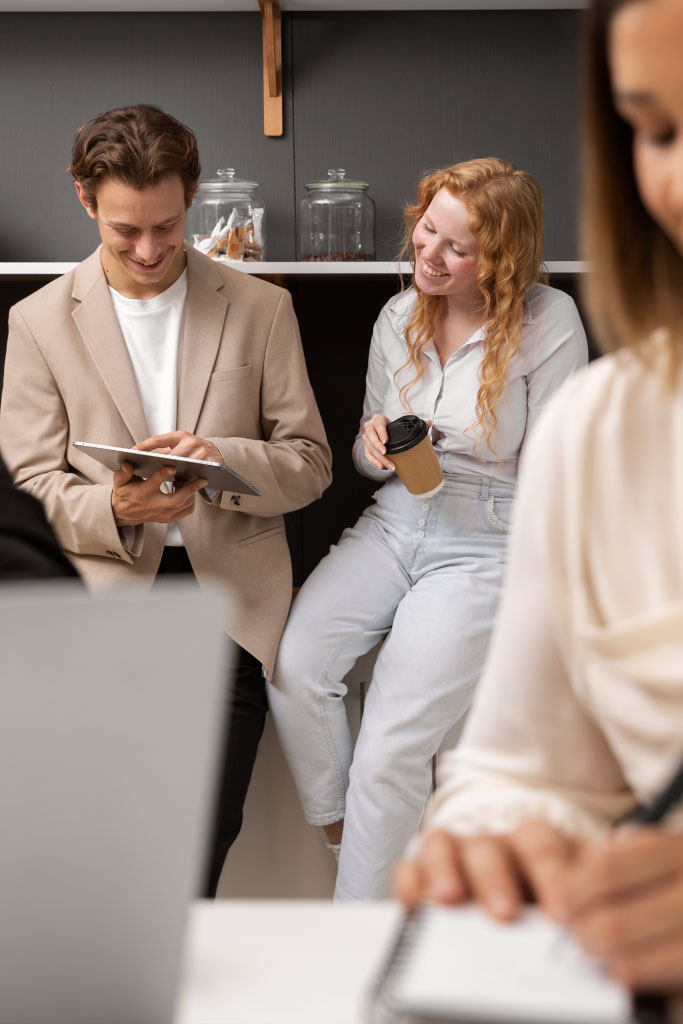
(142, 234)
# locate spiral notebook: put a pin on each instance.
(455, 964)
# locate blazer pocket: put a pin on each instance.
(260, 536)
(234, 374)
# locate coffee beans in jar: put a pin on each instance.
(338, 257)
(336, 221)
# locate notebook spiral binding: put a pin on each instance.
(379, 1007)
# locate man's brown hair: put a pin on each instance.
(136, 146)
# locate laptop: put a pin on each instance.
(111, 717)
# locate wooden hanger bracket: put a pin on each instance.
(272, 66)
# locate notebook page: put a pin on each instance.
(460, 963)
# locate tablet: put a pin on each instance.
(217, 475)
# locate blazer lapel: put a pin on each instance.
(98, 325)
(205, 311)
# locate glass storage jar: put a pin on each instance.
(225, 220)
(337, 220)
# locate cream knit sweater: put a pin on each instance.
(579, 713)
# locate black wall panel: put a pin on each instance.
(384, 95)
(388, 96)
(56, 70)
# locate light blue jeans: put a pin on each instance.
(431, 572)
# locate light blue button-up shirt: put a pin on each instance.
(552, 347)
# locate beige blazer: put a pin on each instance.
(242, 384)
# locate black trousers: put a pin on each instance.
(245, 718)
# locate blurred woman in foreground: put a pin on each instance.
(579, 714)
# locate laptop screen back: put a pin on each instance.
(111, 718)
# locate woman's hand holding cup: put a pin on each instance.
(374, 439)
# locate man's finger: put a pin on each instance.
(169, 440)
(159, 477)
(123, 474)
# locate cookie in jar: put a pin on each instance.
(226, 218)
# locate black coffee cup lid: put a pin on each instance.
(404, 433)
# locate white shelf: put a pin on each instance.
(19, 270)
(26, 271)
(288, 6)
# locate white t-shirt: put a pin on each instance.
(151, 329)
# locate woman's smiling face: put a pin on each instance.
(446, 251)
(646, 64)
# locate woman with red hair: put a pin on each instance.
(475, 347)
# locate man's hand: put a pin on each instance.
(136, 501)
(624, 903)
(180, 442)
(496, 871)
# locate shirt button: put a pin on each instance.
(425, 508)
(420, 533)
(421, 522)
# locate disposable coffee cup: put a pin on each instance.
(410, 449)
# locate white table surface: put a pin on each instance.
(281, 961)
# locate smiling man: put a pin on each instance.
(149, 343)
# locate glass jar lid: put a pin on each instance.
(336, 179)
(225, 181)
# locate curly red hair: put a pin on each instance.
(506, 217)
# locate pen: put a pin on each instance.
(659, 807)
(650, 1008)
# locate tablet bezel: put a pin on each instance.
(217, 475)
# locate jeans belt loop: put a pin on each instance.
(485, 488)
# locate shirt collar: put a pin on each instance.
(401, 310)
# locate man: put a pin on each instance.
(149, 343)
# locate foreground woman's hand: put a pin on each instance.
(624, 903)
(499, 872)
